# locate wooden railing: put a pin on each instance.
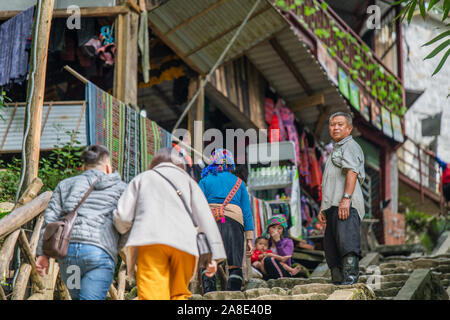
(351, 53)
(420, 166)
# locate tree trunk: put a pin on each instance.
(22, 215)
(36, 88)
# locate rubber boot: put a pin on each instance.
(336, 275)
(208, 283)
(235, 280)
(350, 265)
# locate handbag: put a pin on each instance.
(57, 234)
(219, 212)
(204, 249)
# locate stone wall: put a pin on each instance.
(417, 73)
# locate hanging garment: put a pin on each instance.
(274, 129)
(277, 111)
(15, 36)
(288, 120)
(268, 106)
(316, 175)
(304, 161)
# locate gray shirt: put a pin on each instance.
(347, 155)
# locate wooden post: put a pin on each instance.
(196, 113)
(121, 279)
(420, 174)
(36, 87)
(126, 62)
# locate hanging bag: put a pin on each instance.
(204, 249)
(57, 234)
(219, 212)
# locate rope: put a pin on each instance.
(219, 61)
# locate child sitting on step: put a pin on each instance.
(262, 252)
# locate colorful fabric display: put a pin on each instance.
(131, 138)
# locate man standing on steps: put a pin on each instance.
(342, 207)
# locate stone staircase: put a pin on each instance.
(318, 288)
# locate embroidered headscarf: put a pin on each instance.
(279, 219)
(221, 161)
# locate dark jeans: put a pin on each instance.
(341, 236)
(274, 269)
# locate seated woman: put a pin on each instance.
(280, 245)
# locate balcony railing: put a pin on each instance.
(350, 52)
(420, 166)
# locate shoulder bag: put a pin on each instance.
(57, 234)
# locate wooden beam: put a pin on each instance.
(126, 62)
(307, 102)
(84, 12)
(6, 254)
(196, 16)
(196, 113)
(36, 88)
(290, 65)
(323, 118)
(134, 6)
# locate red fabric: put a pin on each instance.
(256, 254)
(258, 221)
(446, 175)
(274, 129)
(316, 174)
(269, 105)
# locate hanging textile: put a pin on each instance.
(131, 138)
(287, 116)
(15, 39)
(316, 175)
(304, 161)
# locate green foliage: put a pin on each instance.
(3, 100)
(63, 162)
(409, 7)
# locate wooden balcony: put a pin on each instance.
(321, 23)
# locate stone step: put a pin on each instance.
(396, 264)
(391, 292)
(384, 278)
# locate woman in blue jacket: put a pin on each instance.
(228, 199)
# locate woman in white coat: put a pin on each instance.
(163, 240)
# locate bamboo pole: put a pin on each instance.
(36, 88)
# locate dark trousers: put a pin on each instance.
(341, 236)
(274, 269)
(446, 189)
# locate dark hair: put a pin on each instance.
(261, 238)
(168, 155)
(94, 154)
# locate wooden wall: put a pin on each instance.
(244, 86)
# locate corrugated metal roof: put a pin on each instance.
(61, 118)
(201, 40)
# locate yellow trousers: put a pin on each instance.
(163, 273)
